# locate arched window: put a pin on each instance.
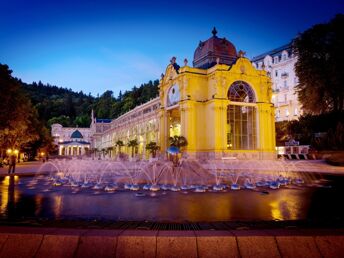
(241, 92)
(241, 117)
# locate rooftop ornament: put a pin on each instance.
(214, 31)
(242, 53)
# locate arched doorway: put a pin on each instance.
(241, 117)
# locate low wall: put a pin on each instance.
(52, 242)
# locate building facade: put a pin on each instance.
(279, 64)
(71, 141)
(221, 105)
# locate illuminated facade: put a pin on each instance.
(71, 141)
(221, 105)
(279, 64)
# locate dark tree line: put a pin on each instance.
(20, 125)
(69, 108)
(28, 110)
(319, 67)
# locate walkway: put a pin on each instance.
(57, 242)
(26, 168)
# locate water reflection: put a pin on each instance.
(9, 196)
(40, 200)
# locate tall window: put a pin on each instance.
(241, 117)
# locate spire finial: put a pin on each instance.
(214, 31)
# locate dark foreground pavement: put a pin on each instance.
(64, 242)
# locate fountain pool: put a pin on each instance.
(158, 191)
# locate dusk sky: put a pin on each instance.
(110, 45)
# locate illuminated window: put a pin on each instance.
(296, 112)
(241, 92)
(287, 112)
(241, 118)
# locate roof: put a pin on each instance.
(74, 143)
(103, 120)
(207, 52)
(76, 135)
(273, 52)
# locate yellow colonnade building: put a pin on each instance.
(221, 105)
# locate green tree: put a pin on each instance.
(119, 144)
(18, 119)
(62, 120)
(103, 105)
(83, 120)
(109, 150)
(178, 141)
(133, 145)
(320, 67)
(152, 147)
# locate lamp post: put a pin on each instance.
(13, 157)
(12, 152)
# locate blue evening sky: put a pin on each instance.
(100, 45)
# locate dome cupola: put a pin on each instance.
(214, 51)
(76, 135)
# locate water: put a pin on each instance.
(318, 198)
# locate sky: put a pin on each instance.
(94, 46)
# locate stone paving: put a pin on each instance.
(59, 242)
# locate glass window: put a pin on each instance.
(241, 118)
(241, 92)
(241, 127)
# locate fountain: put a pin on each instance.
(161, 190)
(187, 175)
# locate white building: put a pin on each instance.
(71, 140)
(280, 63)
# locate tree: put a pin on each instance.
(62, 120)
(178, 141)
(119, 144)
(320, 67)
(104, 105)
(152, 147)
(109, 150)
(133, 145)
(18, 119)
(83, 120)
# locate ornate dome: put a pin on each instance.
(214, 50)
(76, 135)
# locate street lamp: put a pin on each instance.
(12, 151)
